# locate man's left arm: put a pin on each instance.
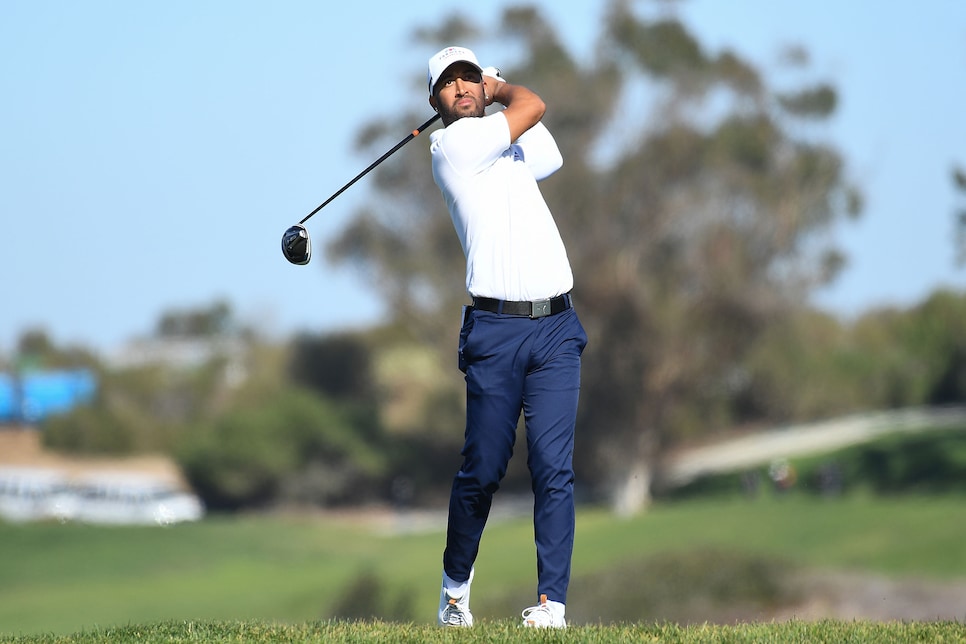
(540, 151)
(536, 145)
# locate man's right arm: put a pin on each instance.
(524, 108)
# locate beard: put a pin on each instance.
(451, 113)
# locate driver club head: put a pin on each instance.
(296, 245)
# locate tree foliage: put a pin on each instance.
(959, 183)
(217, 319)
(142, 405)
(37, 350)
(336, 366)
(292, 447)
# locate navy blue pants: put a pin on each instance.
(511, 364)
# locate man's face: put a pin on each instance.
(459, 92)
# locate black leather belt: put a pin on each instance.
(535, 309)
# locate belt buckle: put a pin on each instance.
(539, 308)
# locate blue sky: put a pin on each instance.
(153, 153)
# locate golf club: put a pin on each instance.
(296, 244)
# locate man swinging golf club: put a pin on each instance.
(521, 340)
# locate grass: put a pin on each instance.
(829, 631)
(285, 578)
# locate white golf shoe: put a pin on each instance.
(454, 603)
(546, 614)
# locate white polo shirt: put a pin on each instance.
(512, 246)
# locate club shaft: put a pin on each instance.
(412, 135)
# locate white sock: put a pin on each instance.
(455, 589)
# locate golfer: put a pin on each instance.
(520, 341)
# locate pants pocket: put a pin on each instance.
(467, 326)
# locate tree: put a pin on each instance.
(336, 366)
(36, 350)
(143, 402)
(959, 183)
(933, 337)
(282, 446)
(693, 220)
(216, 320)
(804, 367)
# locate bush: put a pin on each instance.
(89, 430)
(368, 598)
(716, 584)
(296, 448)
(922, 464)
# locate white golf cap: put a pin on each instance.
(446, 57)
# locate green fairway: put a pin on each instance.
(297, 569)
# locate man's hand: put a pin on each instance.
(492, 79)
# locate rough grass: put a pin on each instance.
(489, 632)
